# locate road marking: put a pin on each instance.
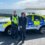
(19, 43)
(12, 44)
(1, 43)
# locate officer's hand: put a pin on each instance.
(20, 26)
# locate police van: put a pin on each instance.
(37, 22)
(34, 21)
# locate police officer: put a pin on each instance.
(22, 25)
(14, 26)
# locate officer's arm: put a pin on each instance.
(19, 21)
(11, 18)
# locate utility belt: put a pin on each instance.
(13, 24)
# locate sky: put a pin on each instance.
(21, 4)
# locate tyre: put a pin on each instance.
(42, 30)
(8, 30)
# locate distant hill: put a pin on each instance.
(34, 8)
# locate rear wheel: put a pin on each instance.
(42, 30)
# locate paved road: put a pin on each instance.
(31, 39)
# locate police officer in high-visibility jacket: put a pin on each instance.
(14, 26)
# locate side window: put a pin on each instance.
(37, 18)
(42, 18)
(29, 18)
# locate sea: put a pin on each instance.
(18, 11)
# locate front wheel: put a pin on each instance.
(8, 31)
(42, 30)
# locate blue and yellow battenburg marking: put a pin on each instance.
(7, 24)
(36, 22)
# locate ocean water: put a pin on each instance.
(10, 11)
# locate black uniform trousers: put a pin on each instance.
(14, 30)
(22, 33)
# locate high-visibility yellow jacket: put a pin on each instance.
(15, 19)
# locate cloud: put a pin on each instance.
(17, 5)
(29, 4)
(23, 4)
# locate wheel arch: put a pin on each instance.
(7, 27)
